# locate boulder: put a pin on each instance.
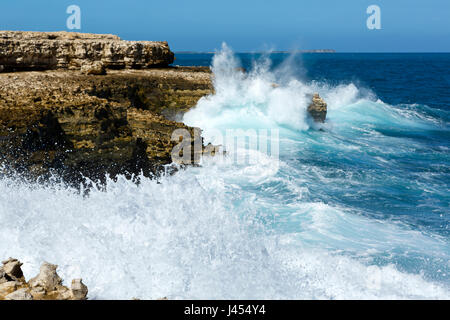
(8, 287)
(318, 108)
(47, 285)
(93, 68)
(38, 293)
(11, 268)
(78, 289)
(21, 294)
(47, 278)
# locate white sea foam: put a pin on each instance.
(184, 238)
(267, 98)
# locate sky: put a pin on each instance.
(248, 25)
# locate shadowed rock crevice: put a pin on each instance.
(45, 135)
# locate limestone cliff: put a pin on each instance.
(87, 105)
(74, 124)
(77, 123)
(70, 50)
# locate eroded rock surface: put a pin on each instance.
(21, 50)
(11, 269)
(21, 294)
(94, 68)
(78, 290)
(47, 285)
(78, 125)
(318, 108)
(77, 122)
(47, 278)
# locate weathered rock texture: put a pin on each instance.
(70, 50)
(94, 68)
(47, 285)
(75, 124)
(318, 108)
(87, 119)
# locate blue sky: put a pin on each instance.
(248, 25)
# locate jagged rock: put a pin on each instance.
(86, 126)
(46, 286)
(318, 108)
(47, 278)
(21, 294)
(81, 126)
(62, 293)
(11, 268)
(3, 276)
(38, 293)
(79, 290)
(21, 50)
(8, 287)
(94, 68)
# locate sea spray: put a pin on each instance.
(182, 238)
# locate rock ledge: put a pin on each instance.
(86, 119)
(26, 50)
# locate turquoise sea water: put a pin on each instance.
(392, 114)
(355, 208)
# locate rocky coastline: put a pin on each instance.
(76, 106)
(29, 50)
(57, 117)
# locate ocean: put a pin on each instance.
(355, 208)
